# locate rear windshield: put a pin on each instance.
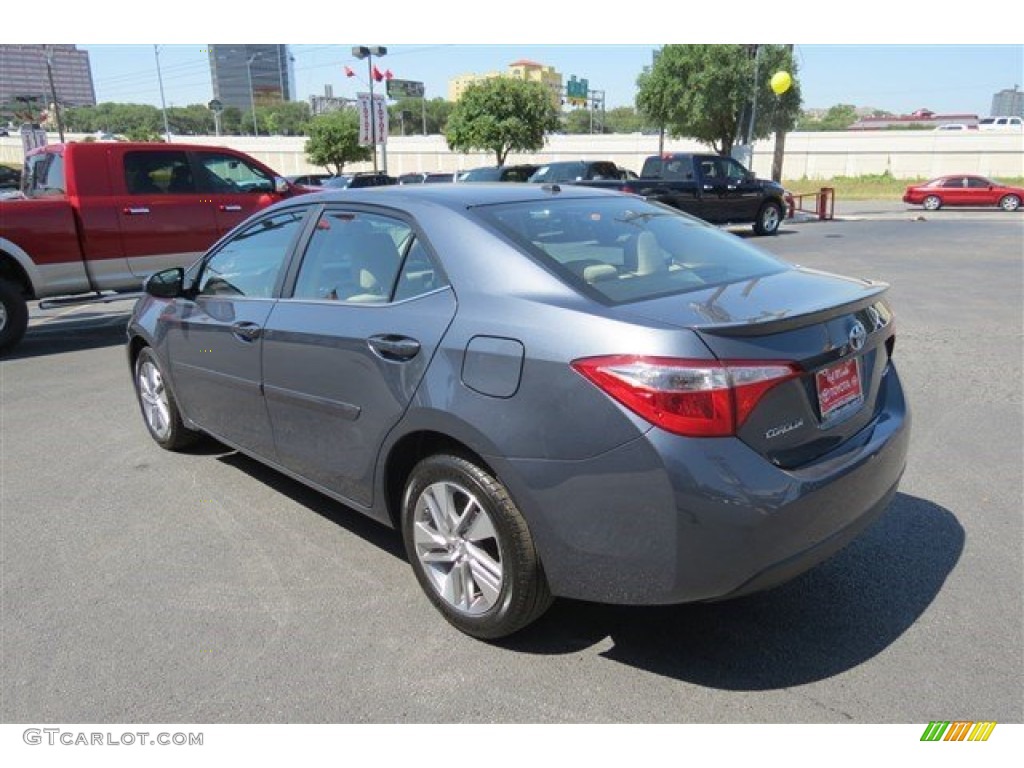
(622, 249)
(483, 174)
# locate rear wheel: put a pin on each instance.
(13, 315)
(471, 549)
(1009, 203)
(159, 409)
(768, 219)
(932, 203)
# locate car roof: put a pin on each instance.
(457, 196)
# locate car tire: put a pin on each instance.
(13, 315)
(768, 219)
(932, 203)
(1009, 203)
(159, 409)
(471, 549)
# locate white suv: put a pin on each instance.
(1001, 124)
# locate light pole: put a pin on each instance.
(163, 104)
(368, 52)
(252, 94)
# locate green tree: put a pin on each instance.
(703, 91)
(437, 111)
(838, 118)
(193, 120)
(334, 141)
(287, 118)
(502, 115)
(231, 121)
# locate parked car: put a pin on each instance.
(624, 404)
(1001, 123)
(359, 180)
(103, 217)
(512, 173)
(434, 177)
(310, 179)
(964, 190)
(575, 170)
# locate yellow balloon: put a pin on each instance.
(781, 82)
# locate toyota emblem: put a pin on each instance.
(857, 336)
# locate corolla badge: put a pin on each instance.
(858, 335)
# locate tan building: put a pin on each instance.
(523, 70)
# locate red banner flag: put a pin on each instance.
(376, 74)
(349, 72)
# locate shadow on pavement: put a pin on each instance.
(381, 536)
(78, 332)
(827, 621)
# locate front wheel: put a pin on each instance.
(932, 203)
(471, 549)
(1010, 203)
(768, 219)
(159, 409)
(13, 315)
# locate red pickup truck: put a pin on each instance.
(103, 216)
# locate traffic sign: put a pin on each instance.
(399, 88)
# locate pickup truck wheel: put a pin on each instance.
(768, 219)
(159, 409)
(13, 315)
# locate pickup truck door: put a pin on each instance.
(164, 221)
(237, 188)
(742, 191)
(731, 194)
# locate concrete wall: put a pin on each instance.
(904, 154)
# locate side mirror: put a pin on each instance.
(166, 284)
(281, 185)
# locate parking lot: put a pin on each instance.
(144, 586)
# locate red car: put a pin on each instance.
(964, 190)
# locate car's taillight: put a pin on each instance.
(696, 398)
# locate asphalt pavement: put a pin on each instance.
(144, 586)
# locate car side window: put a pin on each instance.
(955, 183)
(163, 172)
(227, 173)
(419, 274)
(973, 182)
(733, 170)
(352, 257)
(249, 264)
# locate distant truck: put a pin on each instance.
(98, 217)
(711, 187)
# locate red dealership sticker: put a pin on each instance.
(838, 385)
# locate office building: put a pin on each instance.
(24, 80)
(1008, 102)
(268, 69)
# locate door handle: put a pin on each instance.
(231, 208)
(395, 349)
(136, 211)
(246, 331)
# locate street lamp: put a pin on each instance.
(163, 104)
(252, 93)
(368, 52)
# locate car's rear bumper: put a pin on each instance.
(666, 519)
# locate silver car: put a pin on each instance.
(549, 391)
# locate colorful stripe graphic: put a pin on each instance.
(958, 730)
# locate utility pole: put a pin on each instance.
(163, 104)
(780, 133)
(53, 91)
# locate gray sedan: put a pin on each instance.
(549, 391)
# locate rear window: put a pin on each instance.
(621, 249)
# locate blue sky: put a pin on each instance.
(899, 78)
(898, 55)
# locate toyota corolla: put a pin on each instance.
(548, 391)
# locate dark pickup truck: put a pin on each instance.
(714, 188)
